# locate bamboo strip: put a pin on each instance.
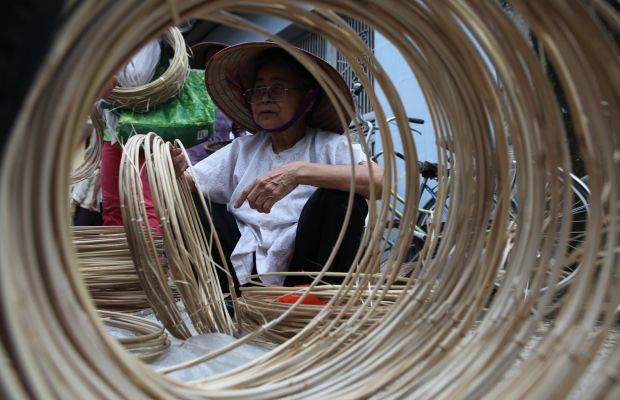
(92, 154)
(186, 247)
(107, 268)
(160, 90)
(447, 333)
(149, 339)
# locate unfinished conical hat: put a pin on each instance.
(229, 73)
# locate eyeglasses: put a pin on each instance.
(274, 93)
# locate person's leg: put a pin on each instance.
(110, 166)
(228, 233)
(317, 231)
(86, 217)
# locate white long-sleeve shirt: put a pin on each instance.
(226, 173)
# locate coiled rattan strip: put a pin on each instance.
(92, 153)
(444, 336)
(259, 305)
(143, 98)
(187, 250)
(149, 339)
(142, 244)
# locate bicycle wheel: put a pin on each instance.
(578, 211)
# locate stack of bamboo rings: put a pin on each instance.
(449, 332)
(107, 268)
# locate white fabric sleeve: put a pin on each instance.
(338, 151)
(216, 173)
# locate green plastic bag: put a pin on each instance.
(189, 117)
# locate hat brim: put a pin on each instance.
(200, 53)
(231, 71)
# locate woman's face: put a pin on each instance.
(269, 113)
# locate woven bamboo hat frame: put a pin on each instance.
(439, 335)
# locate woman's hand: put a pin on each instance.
(180, 165)
(271, 187)
(178, 160)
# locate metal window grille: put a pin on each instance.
(367, 34)
(313, 44)
(317, 45)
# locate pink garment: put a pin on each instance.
(110, 166)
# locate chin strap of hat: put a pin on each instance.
(305, 105)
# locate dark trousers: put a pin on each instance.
(228, 233)
(318, 228)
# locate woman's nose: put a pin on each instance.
(264, 98)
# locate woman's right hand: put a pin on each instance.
(178, 161)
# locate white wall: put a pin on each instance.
(413, 101)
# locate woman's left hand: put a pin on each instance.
(271, 187)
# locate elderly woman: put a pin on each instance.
(279, 197)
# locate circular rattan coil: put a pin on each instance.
(143, 98)
(148, 340)
(261, 304)
(447, 334)
(187, 248)
(92, 153)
